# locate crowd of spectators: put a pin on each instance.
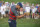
(31, 10)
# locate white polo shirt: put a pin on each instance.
(27, 9)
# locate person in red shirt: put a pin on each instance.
(13, 15)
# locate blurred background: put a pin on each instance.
(30, 7)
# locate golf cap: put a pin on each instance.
(20, 4)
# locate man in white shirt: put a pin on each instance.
(2, 11)
(27, 10)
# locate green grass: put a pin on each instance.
(21, 22)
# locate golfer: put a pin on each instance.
(13, 15)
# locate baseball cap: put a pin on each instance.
(20, 4)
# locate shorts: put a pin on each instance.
(27, 13)
(33, 14)
(39, 13)
(6, 12)
(12, 23)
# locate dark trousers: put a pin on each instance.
(0, 14)
(12, 23)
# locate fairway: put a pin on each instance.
(21, 22)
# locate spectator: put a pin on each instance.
(33, 12)
(7, 10)
(2, 11)
(39, 11)
(21, 11)
(13, 3)
(27, 10)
